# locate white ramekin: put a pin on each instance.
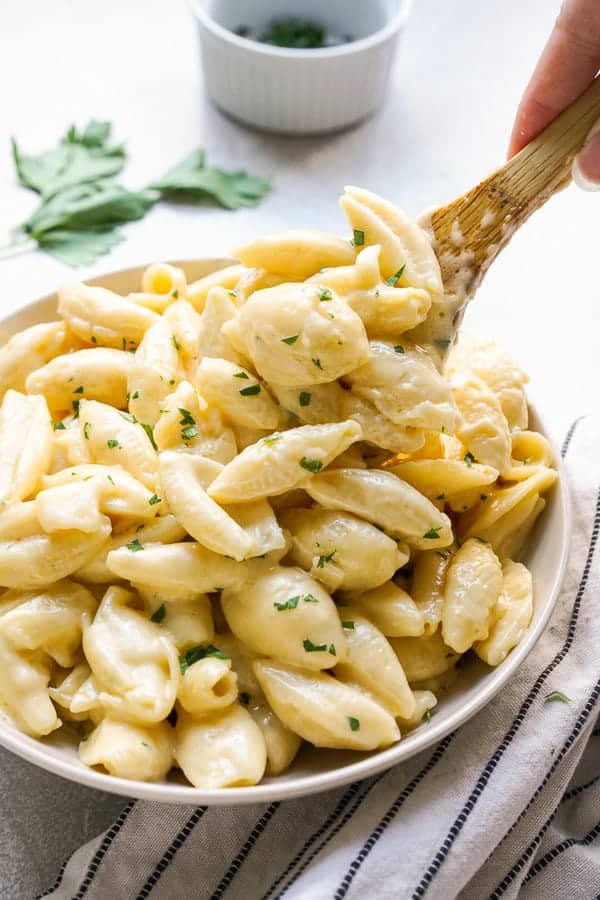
(298, 91)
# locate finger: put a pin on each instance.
(586, 166)
(569, 62)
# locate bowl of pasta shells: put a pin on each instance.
(263, 518)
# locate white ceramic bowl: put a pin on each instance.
(298, 91)
(313, 770)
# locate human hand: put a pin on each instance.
(568, 64)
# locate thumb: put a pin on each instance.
(586, 165)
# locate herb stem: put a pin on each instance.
(21, 244)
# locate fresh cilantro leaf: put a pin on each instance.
(469, 459)
(324, 559)
(197, 653)
(135, 546)
(154, 499)
(190, 180)
(311, 465)
(159, 614)
(325, 294)
(251, 390)
(149, 433)
(112, 444)
(353, 723)
(241, 375)
(97, 205)
(557, 696)
(78, 159)
(292, 603)
(433, 533)
(358, 237)
(313, 648)
(189, 433)
(290, 340)
(349, 624)
(79, 248)
(304, 398)
(393, 280)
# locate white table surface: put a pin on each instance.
(444, 125)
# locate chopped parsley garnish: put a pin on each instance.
(189, 433)
(244, 698)
(240, 375)
(557, 696)
(399, 349)
(349, 624)
(393, 280)
(331, 650)
(112, 443)
(317, 362)
(111, 479)
(311, 465)
(176, 343)
(78, 390)
(175, 294)
(304, 398)
(154, 499)
(433, 533)
(483, 496)
(128, 417)
(325, 558)
(469, 459)
(75, 405)
(88, 477)
(135, 395)
(251, 390)
(353, 723)
(58, 426)
(428, 715)
(292, 603)
(94, 340)
(195, 654)
(272, 438)
(86, 430)
(149, 433)
(313, 648)
(358, 237)
(325, 294)
(290, 340)
(441, 497)
(158, 614)
(310, 598)
(135, 546)
(186, 416)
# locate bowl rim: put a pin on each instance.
(33, 750)
(394, 24)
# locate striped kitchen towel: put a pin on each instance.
(507, 806)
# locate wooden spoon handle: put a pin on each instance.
(470, 232)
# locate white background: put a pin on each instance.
(445, 124)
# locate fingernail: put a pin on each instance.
(586, 165)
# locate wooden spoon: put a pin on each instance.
(469, 233)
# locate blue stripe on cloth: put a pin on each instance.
(331, 818)
(169, 854)
(522, 861)
(58, 881)
(574, 792)
(389, 816)
(239, 860)
(102, 850)
(490, 766)
(560, 848)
